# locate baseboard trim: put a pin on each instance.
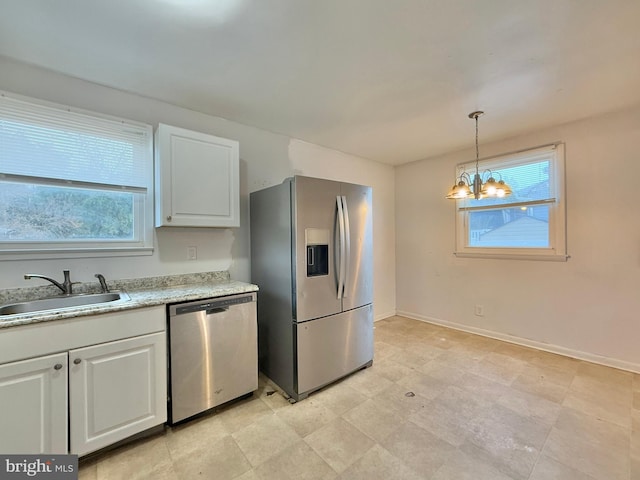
(382, 316)
(547, 347)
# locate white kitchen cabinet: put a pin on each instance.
(116, 390)
(197, 179)
(33, 405)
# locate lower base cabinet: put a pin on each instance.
(115, 390)
(33, 405)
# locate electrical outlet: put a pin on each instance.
(480, 310)
(192, 253)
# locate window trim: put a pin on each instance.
(143, 202)
(557, 211)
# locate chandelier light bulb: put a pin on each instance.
(476, 188)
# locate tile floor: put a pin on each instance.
(437, 404)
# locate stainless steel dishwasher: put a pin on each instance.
(213, 353)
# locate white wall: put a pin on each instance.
(587, 307)
(266, 159)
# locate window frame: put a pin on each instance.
(557, 250)
(143, 197)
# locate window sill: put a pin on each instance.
(514, 256)
(60, 253)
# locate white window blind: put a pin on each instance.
(531, 176)
(51, 143)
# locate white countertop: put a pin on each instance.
(142, 294)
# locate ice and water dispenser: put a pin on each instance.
(317, 247)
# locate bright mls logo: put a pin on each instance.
(50, 467)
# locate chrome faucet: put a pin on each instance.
(65, 286)
(103, 282)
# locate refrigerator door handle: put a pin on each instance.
(347, 243)
(341, 250)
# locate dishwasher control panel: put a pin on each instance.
(211, 303)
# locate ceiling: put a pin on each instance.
(388, 80)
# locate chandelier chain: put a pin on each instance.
(477, 149)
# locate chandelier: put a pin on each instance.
(481, 186)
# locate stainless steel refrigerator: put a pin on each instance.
(312, 258)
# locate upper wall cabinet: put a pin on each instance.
(197, 179)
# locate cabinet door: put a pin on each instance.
(33, 405)
(116, 390)
(197, 179)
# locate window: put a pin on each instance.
(72, 182)
(529, 223)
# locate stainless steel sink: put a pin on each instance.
(56, 303)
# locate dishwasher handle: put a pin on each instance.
(213, 311)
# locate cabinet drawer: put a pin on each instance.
(33, 340)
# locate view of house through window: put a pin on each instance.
(529, 221)
(72, 180)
